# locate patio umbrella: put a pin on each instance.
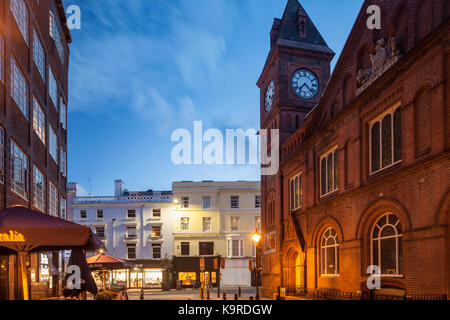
(104, 262)
(78, 258)
(23, 231)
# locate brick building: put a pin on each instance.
(34, 63)
(365, 172)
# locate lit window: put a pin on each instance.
(156, 213)
(19, 171)
(63, 208)
(53, 202)
(235, 223)
(296, 193)
(38, 55)
(329, 253)
(53, 87)
(20, 13)
(19, 88)
(206, 202)
(39, 189)
(387, 245)
(63, 114)
(234, 202)
(53, 144)
(258, 224)
(385, 140)
(38, 120)
(184, 224)
(63, 162)
(156, 232)
(206, 224)
(329, 172)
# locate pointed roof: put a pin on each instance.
(289, 28)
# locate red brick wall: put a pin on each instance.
(16, 126)
(415, 190)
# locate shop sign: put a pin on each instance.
(12, 236)
(44, 274)
(202, 264)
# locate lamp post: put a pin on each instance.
(257, 240)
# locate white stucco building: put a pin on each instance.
(135, 226)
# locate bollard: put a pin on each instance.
(251, 298)
(141, 296)
(218, 292)
(202, 294)
(208, 294)
(240, 292)
(236, 297)
(224, 295)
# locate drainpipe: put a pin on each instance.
(281, 229)
(114, 236)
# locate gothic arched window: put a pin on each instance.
(329, 254)
(386, 245)
(329, 172)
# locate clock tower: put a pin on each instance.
(292, 82)
(296, 71)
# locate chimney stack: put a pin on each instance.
(119, 186)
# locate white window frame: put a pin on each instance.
(39, 189)
(208, 221)
(19, 162)
(258, 202)
(52, 143)
(398, 236)
(185, 202)
(131, 246)
(334, 246)
(128, 214)
(206, 202)
(232, 248)
(38, 54)
(325, 156)
(19, 87)
(234, 202)
(184, 224)
(130, 235)
(156, 245)
(63, 161)
(104, 231)
(63, 208)
(296, 192)
(53, 87)
(52, 200)
(379, 119)
(233, 226)
(39, 120)
(20, 13)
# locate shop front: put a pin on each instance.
(146, 274)
(192, 272)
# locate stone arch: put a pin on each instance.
(293, 266)
(368, 219)
(321, 226)
(442, 215)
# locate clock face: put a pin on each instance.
(270, 94)
(305, 84)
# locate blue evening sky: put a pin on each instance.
(141, 68)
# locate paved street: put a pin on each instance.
(189, 294)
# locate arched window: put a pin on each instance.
(386, 140)
(386, 245)
(329, 172)
(329, 255)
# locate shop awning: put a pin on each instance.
(104, 261)
(25, 230)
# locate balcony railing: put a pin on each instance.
(123, 200)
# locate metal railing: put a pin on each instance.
(123, 200)
(337, 294)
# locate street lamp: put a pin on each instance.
(256, 237)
